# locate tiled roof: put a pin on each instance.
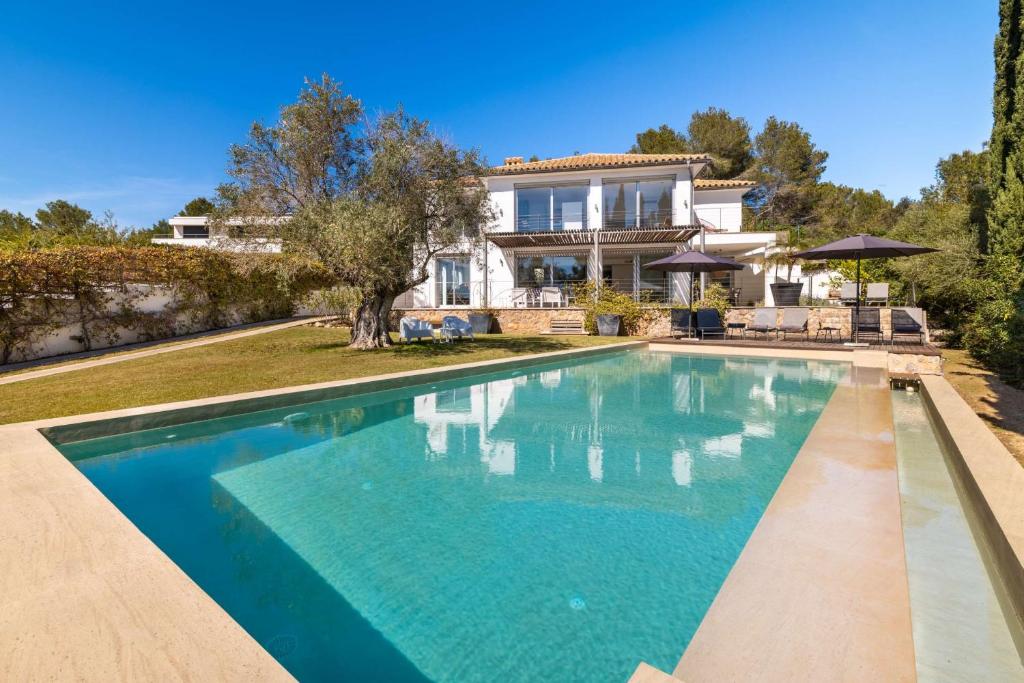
(708, 184)
(579, 162)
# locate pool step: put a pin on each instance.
(566, 327)
(645, 673)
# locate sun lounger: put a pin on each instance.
(794, 321)
(869, 322)
(709, 323)
(878, 294)
(848, 293)
(907, 322)
(764, 322)
(680, 322)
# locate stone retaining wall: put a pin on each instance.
(537, 320)
(510, 320)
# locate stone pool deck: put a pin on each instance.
(821, 586)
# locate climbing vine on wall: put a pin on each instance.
(101, 291)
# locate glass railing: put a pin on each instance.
(545, 223)
(627, 220)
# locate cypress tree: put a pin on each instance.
(1006, 219)
(995, 333)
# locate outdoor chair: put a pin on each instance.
(550, 295)
(764, 322)
(520, 297)
(680, 322)
(907, 322)
(709, 322)
(869, 322)
(878, 294)
(457, 326)
(794, 321)
(410, 328)
(848, 294)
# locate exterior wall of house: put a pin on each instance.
(721, 208)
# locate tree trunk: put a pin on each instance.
(370, 329)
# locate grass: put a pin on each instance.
(997, 403)
(298, 355)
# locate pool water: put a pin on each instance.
(555, 522)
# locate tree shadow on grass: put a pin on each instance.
(1005, 403)
(427, 349)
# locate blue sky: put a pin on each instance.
(131, 108)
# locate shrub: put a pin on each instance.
(99, 289)
(601, 299)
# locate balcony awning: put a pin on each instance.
(585, 238)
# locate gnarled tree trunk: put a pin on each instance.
(370, 328)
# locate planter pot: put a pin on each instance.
(608, 325)
(481, 322)
(787, 293)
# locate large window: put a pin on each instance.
(550, 271)
(195, 232)
(556, 207)
(453, 281)
(637, 203)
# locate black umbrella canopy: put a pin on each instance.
(693, 262)
(863, 246)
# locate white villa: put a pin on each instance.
(597, 217)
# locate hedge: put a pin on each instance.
(99, 289)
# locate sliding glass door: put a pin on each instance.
(453, 281)
(550, 271)
(551, 208)
(637, 203)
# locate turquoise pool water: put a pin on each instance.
(557, 522)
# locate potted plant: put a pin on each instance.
(785, 293)
(610, 313)
(609, 324)
(482, 320)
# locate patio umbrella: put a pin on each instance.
(693, 262)
(858, 247)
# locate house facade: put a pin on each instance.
(200, 231)
(588, 217)
(598, 217)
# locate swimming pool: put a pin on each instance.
(562, 521)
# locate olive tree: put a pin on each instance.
(372, 200)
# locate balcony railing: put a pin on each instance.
(626, 220)
(612, 220)
(543, 222)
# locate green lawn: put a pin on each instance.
(299, 355)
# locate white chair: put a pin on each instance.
(848, 294)
(413, 328)
(878, 294)
(457, 326)
(550, 295)
(520, 297)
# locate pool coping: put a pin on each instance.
(992, 479)
(839, 605)
(84, 594)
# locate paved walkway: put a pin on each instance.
(117, 354)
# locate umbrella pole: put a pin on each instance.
(856, 332)
(692, 307)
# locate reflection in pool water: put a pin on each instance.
(562, 522)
